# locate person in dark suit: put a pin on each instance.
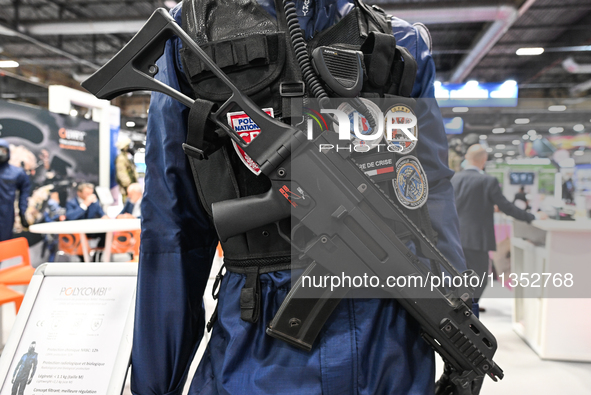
(132, 208)
(85, 205)
(520, 196)
(476, 196)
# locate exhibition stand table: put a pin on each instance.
(84, 226)
(551, 312)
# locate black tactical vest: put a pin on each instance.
(254, 50)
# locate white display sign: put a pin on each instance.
(72, 337)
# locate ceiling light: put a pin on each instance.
(579, 153)
(529, 51)
(516, 142)
(531, 132)
(522, 121)
(558, 107)
(498, 155)
(7, 64)
(130, 124)
(73, 112)
(556, 130)
(499, 161)
(483, 137)
(460, 109)
(498, 130)
(488, 149)
(579, 127)
(170, 3)
(510, 152)
(500, 146)
(525, 137)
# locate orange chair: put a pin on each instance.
(7, 295)
(18, 274)
(70, 244)
(127, 241)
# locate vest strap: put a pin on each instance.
(291, 88)
(409, 74)
(250, 296)
(202, 139)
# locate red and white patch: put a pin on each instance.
(247, 130)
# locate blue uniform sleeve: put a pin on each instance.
(127, 209)
(432, 148)
(177, 248)
(74, 211)
(24, 186)
(497, 197)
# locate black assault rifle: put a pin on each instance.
(349, 216)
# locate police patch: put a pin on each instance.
(410, 184)
(401, 143)
(364, 127)
(378, 166)
(247, 130)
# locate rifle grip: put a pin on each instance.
(235, 216)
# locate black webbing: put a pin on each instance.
(292, 87)
(409, 74)
(250, 296)
(202, 140)
(378, 19)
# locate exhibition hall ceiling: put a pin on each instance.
(61, 41)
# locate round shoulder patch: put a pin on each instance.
(401, 142)
(363, 125)
(410, 184)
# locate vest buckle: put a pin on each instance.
(292, 89)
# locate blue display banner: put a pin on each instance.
(453, 125)
(475, 94)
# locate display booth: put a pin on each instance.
(61, 99)
(73, 333)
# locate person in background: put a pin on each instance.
(476, 196)
(85, 205)
(568, 190)
(53, 212)
(132, 208)
(520, 200)
(126, 173)
(12, 178)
